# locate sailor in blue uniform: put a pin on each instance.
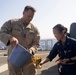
(66, 50)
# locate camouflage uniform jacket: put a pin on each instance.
(27, 36)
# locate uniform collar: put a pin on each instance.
(66, 42)
(28, 26)
(22, 25)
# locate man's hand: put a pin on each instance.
(14, 41)
(31, 51)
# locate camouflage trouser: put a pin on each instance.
(28, 69)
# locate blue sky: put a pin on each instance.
(48, 13)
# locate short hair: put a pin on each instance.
(29, 8)
(60, 28)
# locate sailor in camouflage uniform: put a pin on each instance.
(21, 31)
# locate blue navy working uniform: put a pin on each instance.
(68, 50)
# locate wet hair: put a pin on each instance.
(60, 28)
(29, 8)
